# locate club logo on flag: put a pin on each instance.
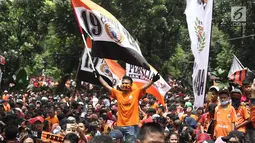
(105, 69)
(113, 33)
(199, 29)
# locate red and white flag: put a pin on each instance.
(237, 72)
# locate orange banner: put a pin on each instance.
(53, 138)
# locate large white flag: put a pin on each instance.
(199, 19)
(141, 76)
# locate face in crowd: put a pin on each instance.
(224, 99)
(247, 89)
(126, 84)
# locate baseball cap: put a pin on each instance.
(214, 87)
(37, 118)
(234, 133)
(203, 137)
(44, 99)
(236, 90)
(188, 104)
(224, 91)
(71, 119)
(18, 109)
(116, 134)
(155, 116)
(93, 116)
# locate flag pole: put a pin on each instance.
(87, 52)
(83, 38)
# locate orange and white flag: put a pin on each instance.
(141, 76)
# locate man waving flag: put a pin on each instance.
(110, 39)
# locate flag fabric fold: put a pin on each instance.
(238, 73)
(110, 70)
(236, 66)
(110, 39)
(199, 21)
(141, 76)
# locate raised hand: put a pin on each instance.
(156, 77)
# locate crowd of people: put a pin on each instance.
(126, 115)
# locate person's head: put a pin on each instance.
(37, 123)
(214, 91)
(126, 83)
(151, 132)
(173, 138)
(51, 112)
(151, 111)
(224, 97)
(202, 137)
(246, 87)
(234, 137)
(89, 111)
(81, 125)
(71, 138)
(161, 109)
(172, 110)
(11, 132)
(59, 110)
(188, 110)
(117, 136)
(28, 139)
(236, 93)
(101, 139)
(236, 97)
(200, 111)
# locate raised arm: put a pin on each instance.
(102, 81)
(154, 79)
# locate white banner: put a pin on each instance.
(199, 20)
(141, 75)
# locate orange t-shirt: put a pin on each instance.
(7, 107)
(128, 113)
(52, 121)
(192, 115)
(242, 115)
(224, 119)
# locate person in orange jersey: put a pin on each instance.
(128, 104)
(242, 114)
(224, 116)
